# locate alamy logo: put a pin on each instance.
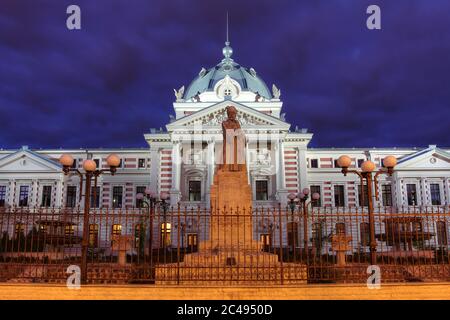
(73, 21)
(374, 20)
(74, 280)
(374, 279)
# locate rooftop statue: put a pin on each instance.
(179, 94)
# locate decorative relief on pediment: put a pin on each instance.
(216, 118)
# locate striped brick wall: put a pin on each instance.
(130, 163)
(291, 170)
(326, 163)
(327, 194)
(165, 170)
(106, 192)
(128, 196)
(351, 194)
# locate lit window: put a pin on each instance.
(166, 229)
(116, 229)
(93, 235)
(141, 163)
(69, 230)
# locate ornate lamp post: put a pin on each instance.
(90, 170)
(301, 200)
(365, 174)
(303, 196)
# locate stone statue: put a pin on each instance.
(233, 142)
(276, 92)
(179, 94)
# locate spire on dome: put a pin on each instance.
(227, 50)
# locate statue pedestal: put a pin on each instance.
(231, 256)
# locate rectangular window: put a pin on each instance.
(292, 233)
(141, 163)
(435, 194)
(19, 230)
(195, 190)
(317, 234)
(69, 230)
(336, 165)
(316, 189)
(93, 235)
(23, 196)
(166, 229)
(412, 194)
(314, 163)
(140, 202)
(71, 198)
(74, 164)
(360, 162)
(2, 196)
(339, 198)
(363, 198)
(192, 241)
(386, 193)
(46, 196)
(95, 197)
(262, 192)
(364, 233)
(117, 197)
(441, 228)
(116, 229)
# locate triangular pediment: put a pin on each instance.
(432, 158)
(215, 114)
(27, 161)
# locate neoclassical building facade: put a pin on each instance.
(181, 159)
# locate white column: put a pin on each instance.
(445, 185)
(281, 159)
(424, 189)
(176, 165)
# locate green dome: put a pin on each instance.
(246, 77)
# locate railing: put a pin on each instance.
(253, 246)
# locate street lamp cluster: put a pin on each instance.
(150, 200)
(301, 200)
(90, 170)
(365, 175)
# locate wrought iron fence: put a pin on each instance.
(252, 246)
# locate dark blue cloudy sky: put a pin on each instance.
(106, 85)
